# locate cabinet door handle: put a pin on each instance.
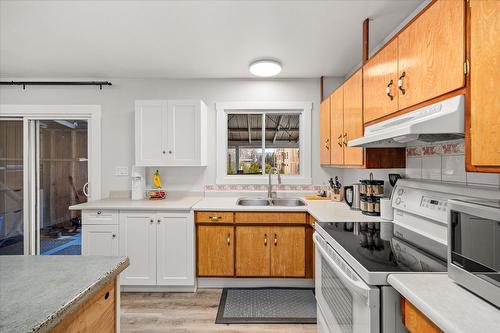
(164, 152)
(389, 89)
(265, 239)
(99, 212)
(113, 235)
(275, 240)
(400, 83)
(345, 139)
(326, 144)
(214, 218)
(339, 140)
(158, 221)
(228, 239)
(151, 221)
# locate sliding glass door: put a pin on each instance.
(12, 238)
(44, 169)
(62, 175)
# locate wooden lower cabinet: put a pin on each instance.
(252, 251)
(270, 251)
(257, 244)
(98, 314)
(215, 250)
(288, 252)
(415, 321)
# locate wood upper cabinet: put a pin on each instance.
(353, 118)
(324, 132)
(215, 250)
(431, 53)
(380, 79)
(337, 126)
(252, 251)
(288, 252)
(484, 82)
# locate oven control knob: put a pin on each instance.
(400, 191)
(398, 201)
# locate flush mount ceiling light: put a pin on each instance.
(265, 67)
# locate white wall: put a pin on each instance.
(117, 118)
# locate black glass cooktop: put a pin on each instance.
(377, 250)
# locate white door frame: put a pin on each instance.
(91, 113)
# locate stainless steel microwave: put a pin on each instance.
(474, 247)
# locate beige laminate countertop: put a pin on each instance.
(451, 307)
(321, 210)
(174, 201)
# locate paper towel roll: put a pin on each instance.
(386, 211)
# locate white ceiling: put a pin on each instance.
(188, 39)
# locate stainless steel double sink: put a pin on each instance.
(285, 202)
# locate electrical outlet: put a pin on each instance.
(121, 171)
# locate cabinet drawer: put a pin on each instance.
(266, 217)
(214, 217)
(98, 216)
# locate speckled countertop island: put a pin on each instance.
(37, 292)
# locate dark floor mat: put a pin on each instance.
(267, 305)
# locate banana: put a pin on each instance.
(156, 179)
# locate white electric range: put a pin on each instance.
(354, 259)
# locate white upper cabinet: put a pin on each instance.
(170, 133)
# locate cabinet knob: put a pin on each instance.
(275, 240)
(113, 235)
(170, 152)
(151, 221)
(99, 212)
(158, 221)
(163, 152)
(228, 239)
(265, 239)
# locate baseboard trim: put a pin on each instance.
(159, 289)
(253, 283)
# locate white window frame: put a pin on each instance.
(304, 109)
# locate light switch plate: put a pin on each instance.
(121, 171)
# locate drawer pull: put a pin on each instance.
(388, 90)
(106, 296)
(400, 83)
(214, 218)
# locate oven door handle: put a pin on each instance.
(357, 286)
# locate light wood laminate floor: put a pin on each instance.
(186, 312)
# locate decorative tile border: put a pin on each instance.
(261, 187)
(442, 148)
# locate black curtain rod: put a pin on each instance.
(55, 83)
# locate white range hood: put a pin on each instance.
(437, 122)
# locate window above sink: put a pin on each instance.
(253, 137)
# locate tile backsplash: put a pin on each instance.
(261, 187)
(444, 161)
